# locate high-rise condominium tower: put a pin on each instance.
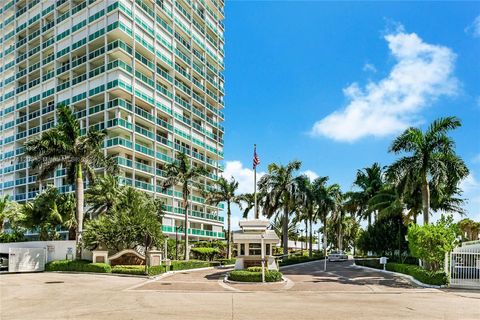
(148, 71)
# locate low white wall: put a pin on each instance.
(299, 245)
(56, 250)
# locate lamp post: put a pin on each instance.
(263, 257)
(176, 240)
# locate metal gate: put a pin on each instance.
(465, 265)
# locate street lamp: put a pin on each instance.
(176, 240)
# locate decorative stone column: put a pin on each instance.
(154, 258)
(100, 256)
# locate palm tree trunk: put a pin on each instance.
(185, 201)
(339, 238)
(285, 230)
(369, 219)
(229, 254)
(310, 240)
(425, 200)
(79, 208)
(325, 236)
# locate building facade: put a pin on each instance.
(148, 71)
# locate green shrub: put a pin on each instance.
(437, 278)
(205, 253)
(371, 263)
(191, 264)
(156, 270)
(225, 262)
(248, 276)
(77, 265)
(254, 269)
(129, 269)
(299, 259)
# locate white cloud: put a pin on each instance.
(422, 73)
(474, 28)
(368, 67)
(243, 175)
(311, 174)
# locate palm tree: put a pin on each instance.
(64, 145)
(225, 193)
(308, 195)
(103, 195)
(277, 225)
(370, 181)
(327, 200)
(279, 186)
(431, 161)
(182, 172)
(9, 212)
(247, 203)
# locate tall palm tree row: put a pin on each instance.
(183, 172)
(65, 146)
(280, 187)
(225, 192)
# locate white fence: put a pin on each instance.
(465, 266)
(56, 250)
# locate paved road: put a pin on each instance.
(343, 292)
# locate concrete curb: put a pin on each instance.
(156, 277)
(402, 275)
(105, 274)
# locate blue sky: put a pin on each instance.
(331, 83)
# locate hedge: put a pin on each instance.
(437, 278)
(129, 269)
(191, 264)
(205, 253)
(225, 262)
(77, 265)
(299, 259)
(248, 276)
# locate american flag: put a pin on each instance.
(256, 159)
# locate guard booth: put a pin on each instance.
(464, 267)
(255, 243)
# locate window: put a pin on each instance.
(242, 249)
(254, 249)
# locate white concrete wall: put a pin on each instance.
(56, 250)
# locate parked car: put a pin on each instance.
(337, 256)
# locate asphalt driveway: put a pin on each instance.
(343, 292)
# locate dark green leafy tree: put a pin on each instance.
(135, 220)
(430, 242)
(48, 211)
(225, 192)
(431, 162)
(64, 145)
(182, 172)
(280, 186)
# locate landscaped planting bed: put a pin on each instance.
(437, 278)
(191, 264)
(254, 274)
(299, 259)
(77, 265)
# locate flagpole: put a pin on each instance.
(255, 182)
